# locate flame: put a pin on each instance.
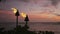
(14, 10)
(23, 15)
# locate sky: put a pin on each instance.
(37, 10)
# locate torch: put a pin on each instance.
(24, 15)
(26, 19)
(16, 14)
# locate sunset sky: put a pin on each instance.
(37, 10)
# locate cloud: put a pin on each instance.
(54, 2)
(2, 0)
(24, 0)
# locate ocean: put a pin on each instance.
(35, 26)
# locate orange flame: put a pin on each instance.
(14, 10)
(23, 15)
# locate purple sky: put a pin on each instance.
(32, 8)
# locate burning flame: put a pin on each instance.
(23, 15)
(14, 10)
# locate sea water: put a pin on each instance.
(35, 26)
